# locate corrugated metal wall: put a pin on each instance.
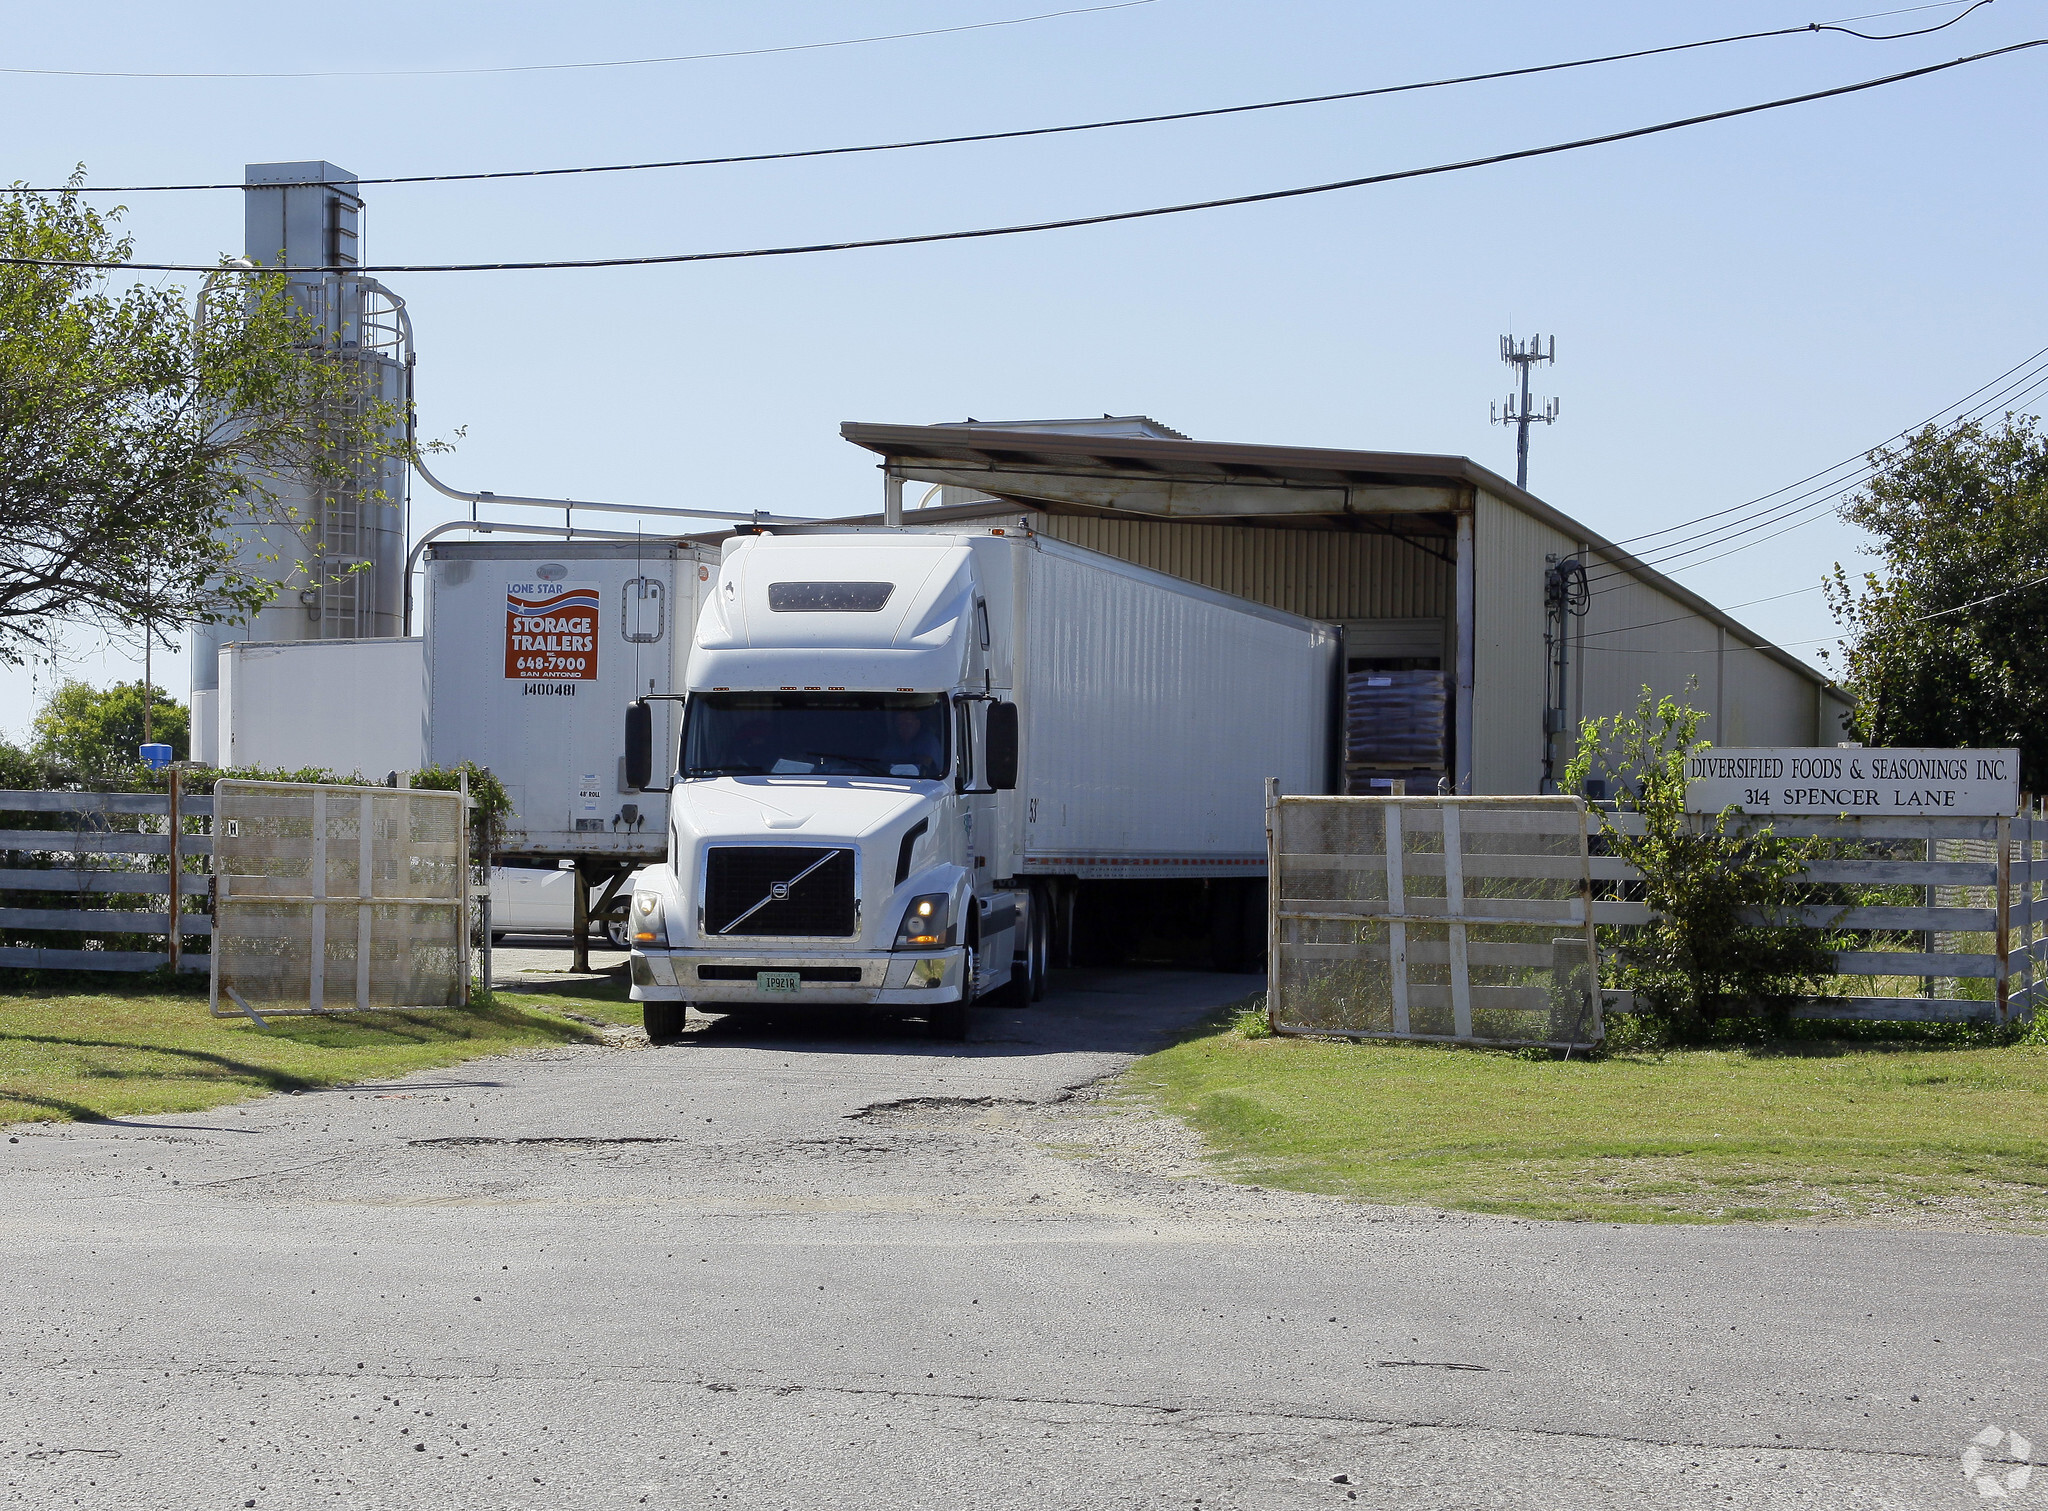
(1633, 635)
(1320, 574)
(1507, 645)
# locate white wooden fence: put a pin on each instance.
(129, 849)
(1979, 911)
(1438, 918)
(1397, 917)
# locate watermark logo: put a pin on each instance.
(1990, 1482)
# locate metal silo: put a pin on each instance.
(336, 549)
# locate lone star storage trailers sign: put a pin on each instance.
(1973, 783)
(551, 631)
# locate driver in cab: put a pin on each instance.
(913, 748)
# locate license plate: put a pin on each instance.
(778, 981)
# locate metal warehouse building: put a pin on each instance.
(1431, 564)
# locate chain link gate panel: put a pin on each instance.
(1441, 918)
(336, 899)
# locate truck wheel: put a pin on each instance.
(664, 1021)
(948, 1020)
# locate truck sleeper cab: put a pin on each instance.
(842, 740)
(902, 747)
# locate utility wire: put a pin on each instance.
(695, 57)
(1634, 650)
(2029, 386)
(1980, 602)
(2013, 394)
(1031, 131)
(1072, 222)
(1813, 513)
(1680, 618)
(1847, 462)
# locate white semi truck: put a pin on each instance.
(902, 750)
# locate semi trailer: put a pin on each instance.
(902, 753)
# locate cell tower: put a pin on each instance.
(1521, 411)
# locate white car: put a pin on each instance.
(540, 898)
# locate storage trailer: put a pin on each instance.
(534, 650)
(903, 750)
(346, 705)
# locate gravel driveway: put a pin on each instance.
(773, 1266)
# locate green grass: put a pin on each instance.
(1801, 1130)
(129, 1050)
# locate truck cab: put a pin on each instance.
(833, 827)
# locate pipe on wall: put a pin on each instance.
(1467, 597)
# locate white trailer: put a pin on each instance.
(533, 652)
(345, 705)
(903, 748)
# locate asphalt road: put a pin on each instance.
(769, 1267)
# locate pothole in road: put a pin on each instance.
(570, 1140)
(907, 1109)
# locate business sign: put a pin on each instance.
(551, 631)
(1977, 783)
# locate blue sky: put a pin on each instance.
(1735, 305)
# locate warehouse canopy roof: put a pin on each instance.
(1182, 479)
(1097, 467)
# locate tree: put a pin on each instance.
(133, 434)
(1708, 879)
(94, 732)
(1945, 646)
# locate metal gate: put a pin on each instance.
(1442, 918)
(334, 899)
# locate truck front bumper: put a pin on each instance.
(723, 979)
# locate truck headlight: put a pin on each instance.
(649, 926)
(924, 923)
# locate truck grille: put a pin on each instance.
(740, 883)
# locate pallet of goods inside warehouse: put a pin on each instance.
(1394, 726)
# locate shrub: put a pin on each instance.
(1707, 879)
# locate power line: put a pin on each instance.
(695, 57)
(1680, 618)
(2014, 393)
(1072, 222)
(1814, 502)
(1980, 602)
(1908, 10)
(1636, 650)
(1847, 462)
(1025, 132)
(1814, 512)
(1761, 518)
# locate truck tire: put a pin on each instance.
(664, 1021)
(948, 1020)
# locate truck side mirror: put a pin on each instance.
(1002, 746)
(639, 744)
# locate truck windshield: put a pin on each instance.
(815, 734)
